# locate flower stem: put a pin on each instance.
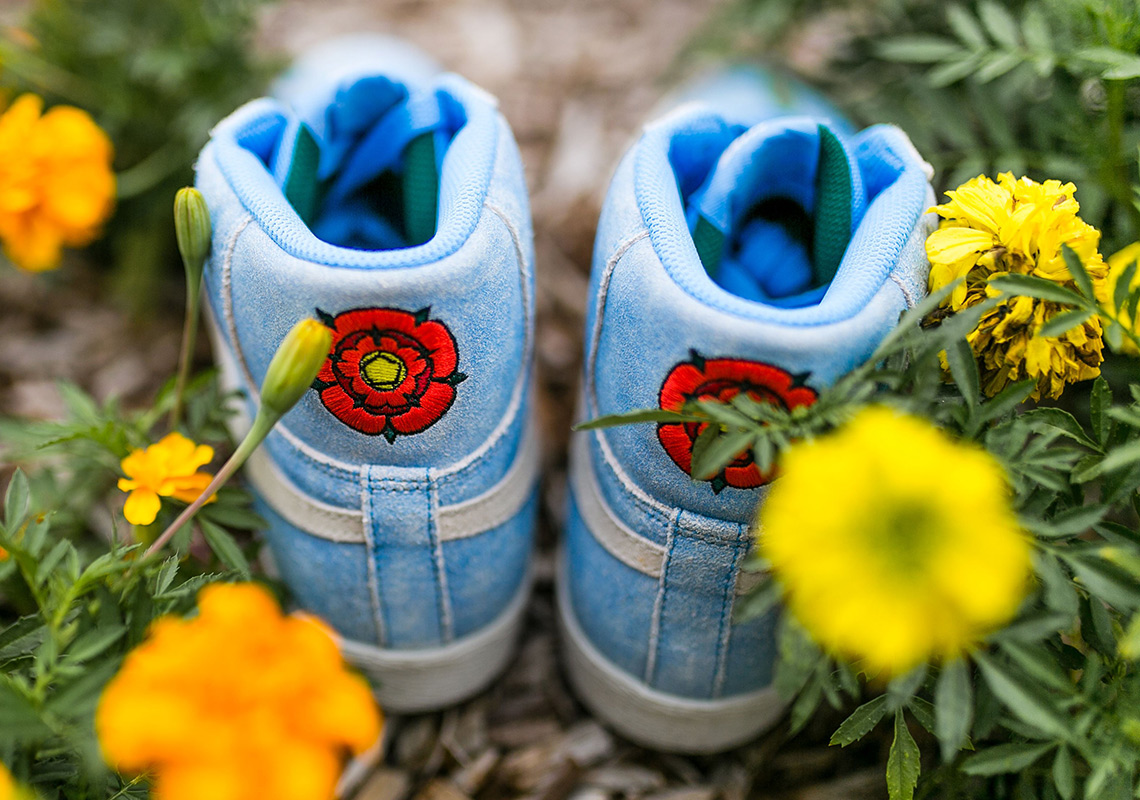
(258, 431)
(189, 339)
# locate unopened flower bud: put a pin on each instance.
(295, 365)
(192, 228)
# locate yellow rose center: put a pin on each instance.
(383, 371)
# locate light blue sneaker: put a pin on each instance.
(387, 199)
(738, 251)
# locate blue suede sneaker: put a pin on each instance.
(745, 245)
(387, 199)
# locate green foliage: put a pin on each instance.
(1052, 703)
(156, 76)
(76, 593)
(1045, 88)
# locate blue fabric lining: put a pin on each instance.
(894, 185)
(240, 148)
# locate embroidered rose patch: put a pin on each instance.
(722, 379)
(390, 372)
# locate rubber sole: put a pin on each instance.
(410, 681)
(655, 719)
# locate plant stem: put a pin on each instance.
(258, 431)
(189, 339)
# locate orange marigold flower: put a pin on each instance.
(4, 555)
(168, 468)
(56, 183)
(238, 703)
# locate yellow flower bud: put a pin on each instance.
(192, 228)
(295, 365)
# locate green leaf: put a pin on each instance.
(1063, 773)
(1047, 419)
(1107, 581)
(1000, 23)
(1037, 627)
(965, 27)
(799, 657)
(1079, 273)
(94, 642)
(807, 702)
(16, 501)
(720, 452)
(1039, 664)
(1063, 322)
(1035, 30)
(903, 688)
(964, 370)
(918, 49)
(1005, 401)
(1070, 522)
(954, 707)
(1123, 287)
(758, 602)
(923, 712)
(22, 637)
(861, 722)
(997, 64)
(224, 546)
(1117, 458)
(903, 762)
(19, 721)
(1004, 758)
(1030, 286)
(1099, 405)
(641, 415)
(1060, 593)
(52, 560)
(1024, 700)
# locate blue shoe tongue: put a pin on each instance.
(773, 218)
(373, 127)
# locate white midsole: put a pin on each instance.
(653, 718)
(409, 681)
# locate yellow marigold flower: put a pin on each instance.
(991, 229)
(56, 184)
(894, 543)
(7, 785)
(1117, 263)
(238, 703)
(168, 468)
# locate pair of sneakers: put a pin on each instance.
(750, 242)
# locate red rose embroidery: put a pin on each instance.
(722, 379)
(389, 372)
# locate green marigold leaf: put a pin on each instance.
(1063, 773)
(903, 764)
(224, 546)
(919, 49)
(953, 707)
(16, 501)
(1062, 323)
(646, 415)
(1023, 699)
(1004, 758)
(1000, 24)
(1030, 286)
(861, 722)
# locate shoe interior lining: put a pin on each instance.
(373, 181)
